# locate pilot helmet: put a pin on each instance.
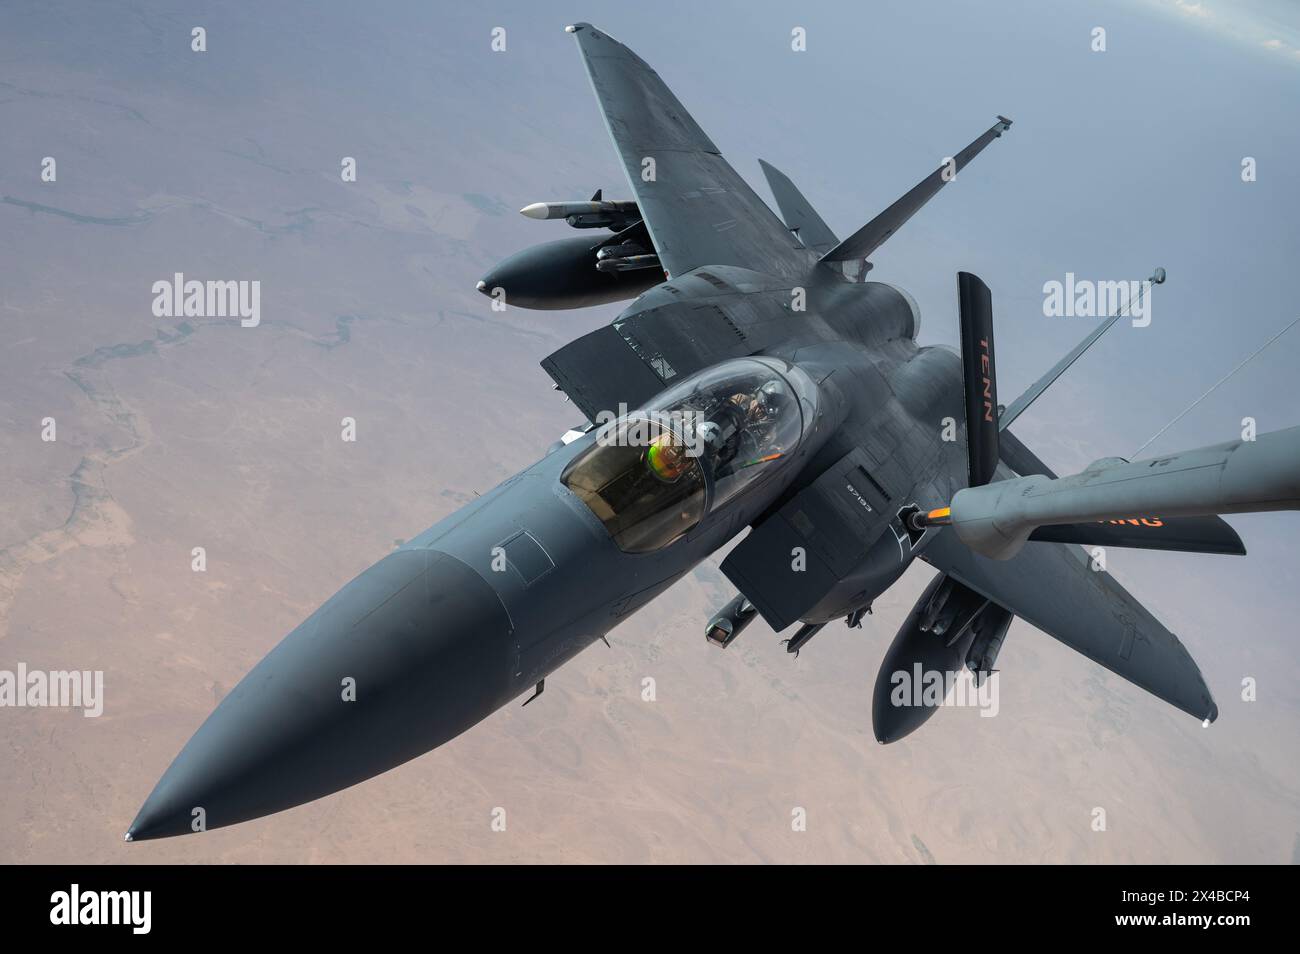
(667, 457)
(772, 395)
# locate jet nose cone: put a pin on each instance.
(409, 654)
(484, 286)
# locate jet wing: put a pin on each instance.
(1052, 586)
(698, 210)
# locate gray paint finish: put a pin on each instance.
(441, 633)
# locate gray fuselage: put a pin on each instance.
(487, 602)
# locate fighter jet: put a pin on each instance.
(758, 385)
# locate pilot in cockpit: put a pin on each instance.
(737, 431)
(741, 428)
(668, 457)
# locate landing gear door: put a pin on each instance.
(794, 557)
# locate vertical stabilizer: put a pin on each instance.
(800, 217)
(980, 384)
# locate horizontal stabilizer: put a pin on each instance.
(800, 217)
(872, 235)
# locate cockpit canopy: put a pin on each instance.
(652, 475)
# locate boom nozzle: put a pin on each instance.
(919, 521)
